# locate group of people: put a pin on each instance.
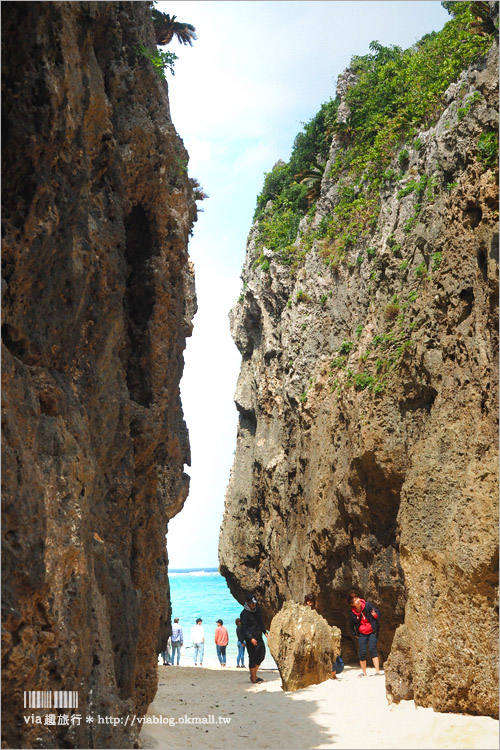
(172, 653)
(249, 629)
(364, 625)
(364, 620)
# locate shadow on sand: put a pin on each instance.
(261, 716)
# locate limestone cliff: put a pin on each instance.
(367, 443)
(98, 297)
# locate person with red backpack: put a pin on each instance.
(364, 623)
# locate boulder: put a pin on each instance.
(303, 646)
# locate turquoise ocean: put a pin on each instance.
(203, 592)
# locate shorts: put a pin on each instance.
(256, 654)
(370, 640)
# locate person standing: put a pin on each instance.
(364, 623)
(198, 639)
(221, 641)
(253, 629)
(165, 655)
(177, 640)
(240, 659)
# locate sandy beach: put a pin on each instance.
(345, 713)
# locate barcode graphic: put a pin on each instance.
(50, 699)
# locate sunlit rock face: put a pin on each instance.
(98, 297)
(303, 646)
(390, 490)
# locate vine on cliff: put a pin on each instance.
(397, 93)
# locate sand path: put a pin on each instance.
(344, 713)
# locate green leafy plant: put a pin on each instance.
(363, 380)
(403, 157)
(463, 111)
(161, 61)
(391, 311)
(436, 259)
(166, 28)
(487, 146)
(421, 270)
(346, 347)
(312, 178)
(398, 93)
(338, 362)
(302, 296)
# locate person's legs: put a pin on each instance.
(255, 659)
(196, 648)
(372, 644)
(202, 650)
(223, 655)
(240, 662)
(363, 641)
(252, 662)
(218, 649)
(176, 651)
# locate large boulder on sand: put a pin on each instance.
(303, 645)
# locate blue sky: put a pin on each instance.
(258, 71)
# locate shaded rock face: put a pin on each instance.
(390, 490)
(98, 297)
(303, 646)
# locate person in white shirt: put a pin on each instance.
(198, 638)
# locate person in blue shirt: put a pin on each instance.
(177, 640)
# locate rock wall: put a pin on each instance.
(390, 488)
(98, 297)
(303, 646)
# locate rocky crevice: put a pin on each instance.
(98, 297)
(367, 443)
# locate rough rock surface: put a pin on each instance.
(303, 646)
(98, 296)
(392, 490)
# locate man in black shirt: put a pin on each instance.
(253, 628)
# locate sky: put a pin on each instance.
(259, 70)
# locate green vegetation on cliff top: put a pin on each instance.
(397, 93)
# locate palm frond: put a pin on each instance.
(166, 27)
